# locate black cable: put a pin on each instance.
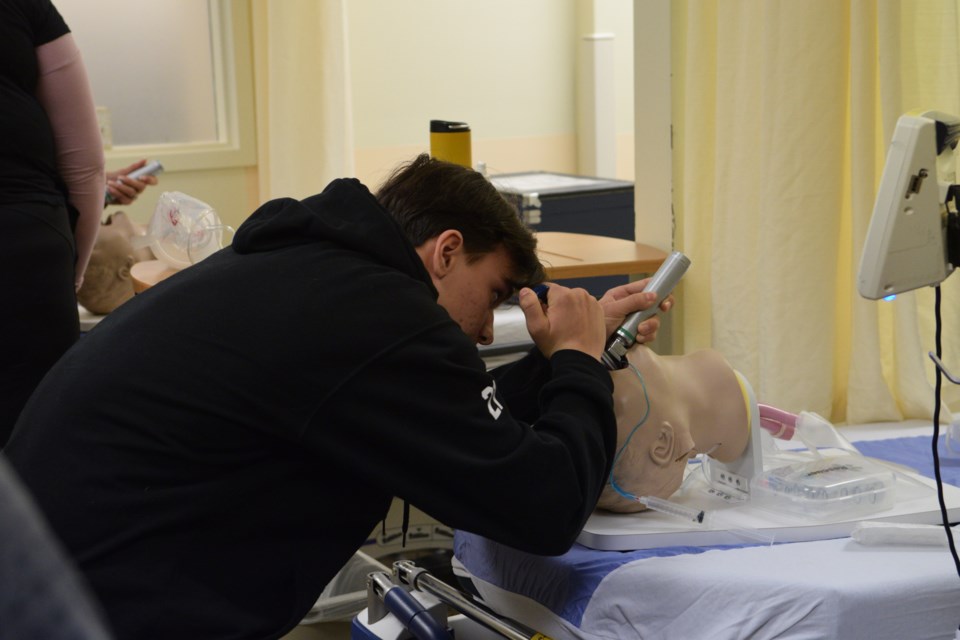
(936, 433)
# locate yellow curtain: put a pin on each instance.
(783, 112)
(304, 123)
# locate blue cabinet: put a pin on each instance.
(549, 201)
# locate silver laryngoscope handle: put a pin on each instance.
(662, 282)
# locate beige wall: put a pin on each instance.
(232, 191)
(505, 67)
(220, 171)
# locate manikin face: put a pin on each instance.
(669, 408)
(468, 290)
(107, 283)
(653, 440)
(654, 462)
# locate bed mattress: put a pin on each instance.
(832, 588)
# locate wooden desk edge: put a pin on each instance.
(631, 267)
(629, 257)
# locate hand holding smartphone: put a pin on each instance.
(152, 168)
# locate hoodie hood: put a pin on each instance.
(345, 213)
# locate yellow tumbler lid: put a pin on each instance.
(450, 141)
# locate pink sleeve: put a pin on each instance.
(64, 91)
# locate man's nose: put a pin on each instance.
(486, 331)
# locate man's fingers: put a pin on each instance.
(532, 311)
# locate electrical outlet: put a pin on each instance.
(106, 129)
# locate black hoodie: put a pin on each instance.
(216, 449)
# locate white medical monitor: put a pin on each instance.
(905, 247)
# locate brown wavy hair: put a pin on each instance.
(427, 196)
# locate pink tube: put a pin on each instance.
(781, 424)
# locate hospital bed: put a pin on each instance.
(831, 588)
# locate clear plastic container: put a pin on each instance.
(827, 488)
(183, 230)
(953, 438)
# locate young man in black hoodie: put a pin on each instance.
(218, 447)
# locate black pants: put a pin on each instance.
(38, 303)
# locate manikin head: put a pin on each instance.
(471, 240)
(107, 283)
(683, 405)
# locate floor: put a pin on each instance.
(320, 631)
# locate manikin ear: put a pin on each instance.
(440, 254)
(662, 449)
(123, 271)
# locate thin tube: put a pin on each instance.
(689, 514)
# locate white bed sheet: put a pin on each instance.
(810, 590)
(822, 589)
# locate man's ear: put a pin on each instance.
(662, 449)
(446, 251)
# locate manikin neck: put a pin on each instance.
(704, 394)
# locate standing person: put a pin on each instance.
(51, 194)
(219, 446)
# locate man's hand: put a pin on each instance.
(621, 301)
(571, 319)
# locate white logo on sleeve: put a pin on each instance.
(493, 405)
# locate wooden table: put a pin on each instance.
(578, 255)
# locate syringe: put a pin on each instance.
(660, 505)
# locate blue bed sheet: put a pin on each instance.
(917, 453)
(564, 584)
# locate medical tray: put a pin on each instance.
(842, 485)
